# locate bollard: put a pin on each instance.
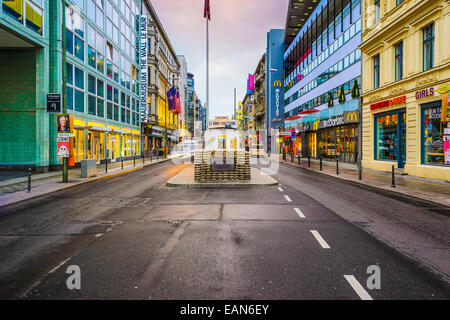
(143, 158)
(359, 170)
(106, 165)
(292, 157)
(393, 176)
(309, 162)
(134, 161)
(337, 166)
(320, 159)
(284, 156)
(29, 179)
(299, 160)
(122, 163)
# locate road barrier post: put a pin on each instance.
(359, 170)
(299, 159)
(309, 162)
(106, 165)
(320, 159)
(29, 179)
(393, 177)
(122, 163)
(337, 166)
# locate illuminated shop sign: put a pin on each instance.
(388, 103)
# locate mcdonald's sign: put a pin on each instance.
(277, 83)
(351, 117)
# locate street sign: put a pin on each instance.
(54, 103)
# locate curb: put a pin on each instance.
(386, 191)
(86, 182)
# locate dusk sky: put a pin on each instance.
(238, 32)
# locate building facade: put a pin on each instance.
(184, 101)
(322, 65)
(274, 61)
(260, 96)
(161, 131)
(406, 73)
(191, 100)
(102, 70)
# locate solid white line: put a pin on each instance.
(319, 239)
(287, 198)
(362, 293)
(281, 189)
(299, 212)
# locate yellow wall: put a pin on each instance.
(404, 22)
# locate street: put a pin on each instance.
(311, 237)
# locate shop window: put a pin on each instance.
(428, 47)
(33, 18)
(386, 137)
(433, 129)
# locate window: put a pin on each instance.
(428, 47)
(96, 50)
(398, 2)
(33, 17)
(96, 96)
(376, 71)
(399, 61)
(377, 12)
(386, 137)
(433, 138)
(74, 33)
(75, 88)
(95, 11)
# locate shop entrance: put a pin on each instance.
(113, 149)
(96, 146)
(390, 137)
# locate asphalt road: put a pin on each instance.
(313, 237)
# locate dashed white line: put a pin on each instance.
(287, 198)
(300, 213)
(319, 239)
(281, 189)
(359, 289)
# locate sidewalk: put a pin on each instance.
(15, 190)
(436, 191)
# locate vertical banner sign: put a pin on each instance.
(144, 68)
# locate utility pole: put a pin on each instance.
(64, 84)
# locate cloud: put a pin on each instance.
(238, 33)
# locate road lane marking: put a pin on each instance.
(319, 239)
(287, 198)
(359, 289)
(281, 189)
(299, 212)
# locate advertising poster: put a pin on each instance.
(63, 123)
(63, 147)
(447, 149)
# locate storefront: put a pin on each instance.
(335, 138)
(409, 132)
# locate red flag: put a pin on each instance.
(207, 11)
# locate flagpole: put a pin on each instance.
(207, 73)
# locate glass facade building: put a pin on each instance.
(103, 78)
(323, 81)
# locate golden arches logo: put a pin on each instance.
(277, 83)
(352, 117)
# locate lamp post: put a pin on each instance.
(282, 97)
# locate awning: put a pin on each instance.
(96, 128)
